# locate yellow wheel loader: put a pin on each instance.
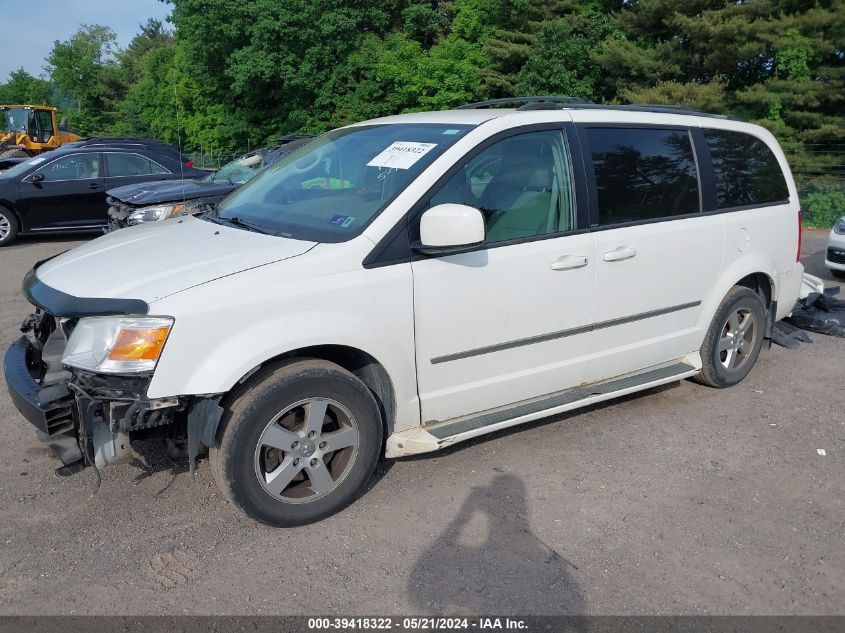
(28, 130)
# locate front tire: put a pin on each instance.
(8, 227)
(839, 274)
(734, 339)
(298, 444)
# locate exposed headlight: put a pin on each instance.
(155, 213)
(117, 345)
(839, 227)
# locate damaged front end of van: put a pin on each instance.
(80, 372)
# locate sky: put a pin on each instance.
(30, 28)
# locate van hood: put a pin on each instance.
(152, 261)
(147, 193)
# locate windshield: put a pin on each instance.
(238, 171)
(15, 119)
(22, 168)
(329, 190)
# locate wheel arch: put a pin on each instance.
(356, 361)
(756, 272)
(762, 284)
(15, 215)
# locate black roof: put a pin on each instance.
(128, 142)
(72, 148)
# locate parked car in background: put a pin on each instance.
(407, 283)
(132, 142)
(65, 189)
(835, 254)
(155, 201)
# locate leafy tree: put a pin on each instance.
(231, 74)
(77, 65)
(560, 61)
(24, 88)
(85, 66)
(153, 35)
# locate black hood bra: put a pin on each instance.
(61, 304)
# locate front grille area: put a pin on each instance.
(48, 339)
(836, 255)
(118, 213)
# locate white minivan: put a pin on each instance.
(406, 283)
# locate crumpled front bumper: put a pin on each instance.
(51, 409)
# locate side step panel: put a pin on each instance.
(442, 431)
(438, 435)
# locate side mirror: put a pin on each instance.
(36, 178)
(450, 228)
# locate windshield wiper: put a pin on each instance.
(258, 228)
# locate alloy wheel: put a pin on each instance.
(306, 450)
(737, 340)
(5, 227)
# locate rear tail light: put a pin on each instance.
(189, 163)
(798, 254)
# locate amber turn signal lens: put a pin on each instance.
(139, 344)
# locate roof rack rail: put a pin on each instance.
(526, 101)
(552, 102)
(658, 108)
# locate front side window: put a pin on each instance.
(522, 185)
(329, 189)
(744, 169)
(73, 167)
(120, 164)
(643, 173)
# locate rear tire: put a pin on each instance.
(8, 227)
(734, 339)
(298, 444)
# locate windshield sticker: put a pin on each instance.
(401, 155)
(450, 132)
(36, 161)
(342, 220)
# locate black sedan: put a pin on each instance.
(65, 190)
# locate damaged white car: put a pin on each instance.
(406, 283)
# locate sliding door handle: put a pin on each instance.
(620, 254)
(568, 262)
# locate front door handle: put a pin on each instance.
(93, 185)
(568, 262)
(620, 254)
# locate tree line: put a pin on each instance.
(232, 74)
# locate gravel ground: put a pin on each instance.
(683, 500)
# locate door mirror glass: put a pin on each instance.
(450, 228)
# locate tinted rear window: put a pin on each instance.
(745, 170)
(643, 173)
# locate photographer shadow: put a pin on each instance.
(489, 562)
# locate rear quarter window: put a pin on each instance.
(745, 170)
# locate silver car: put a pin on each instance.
(835, 254)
